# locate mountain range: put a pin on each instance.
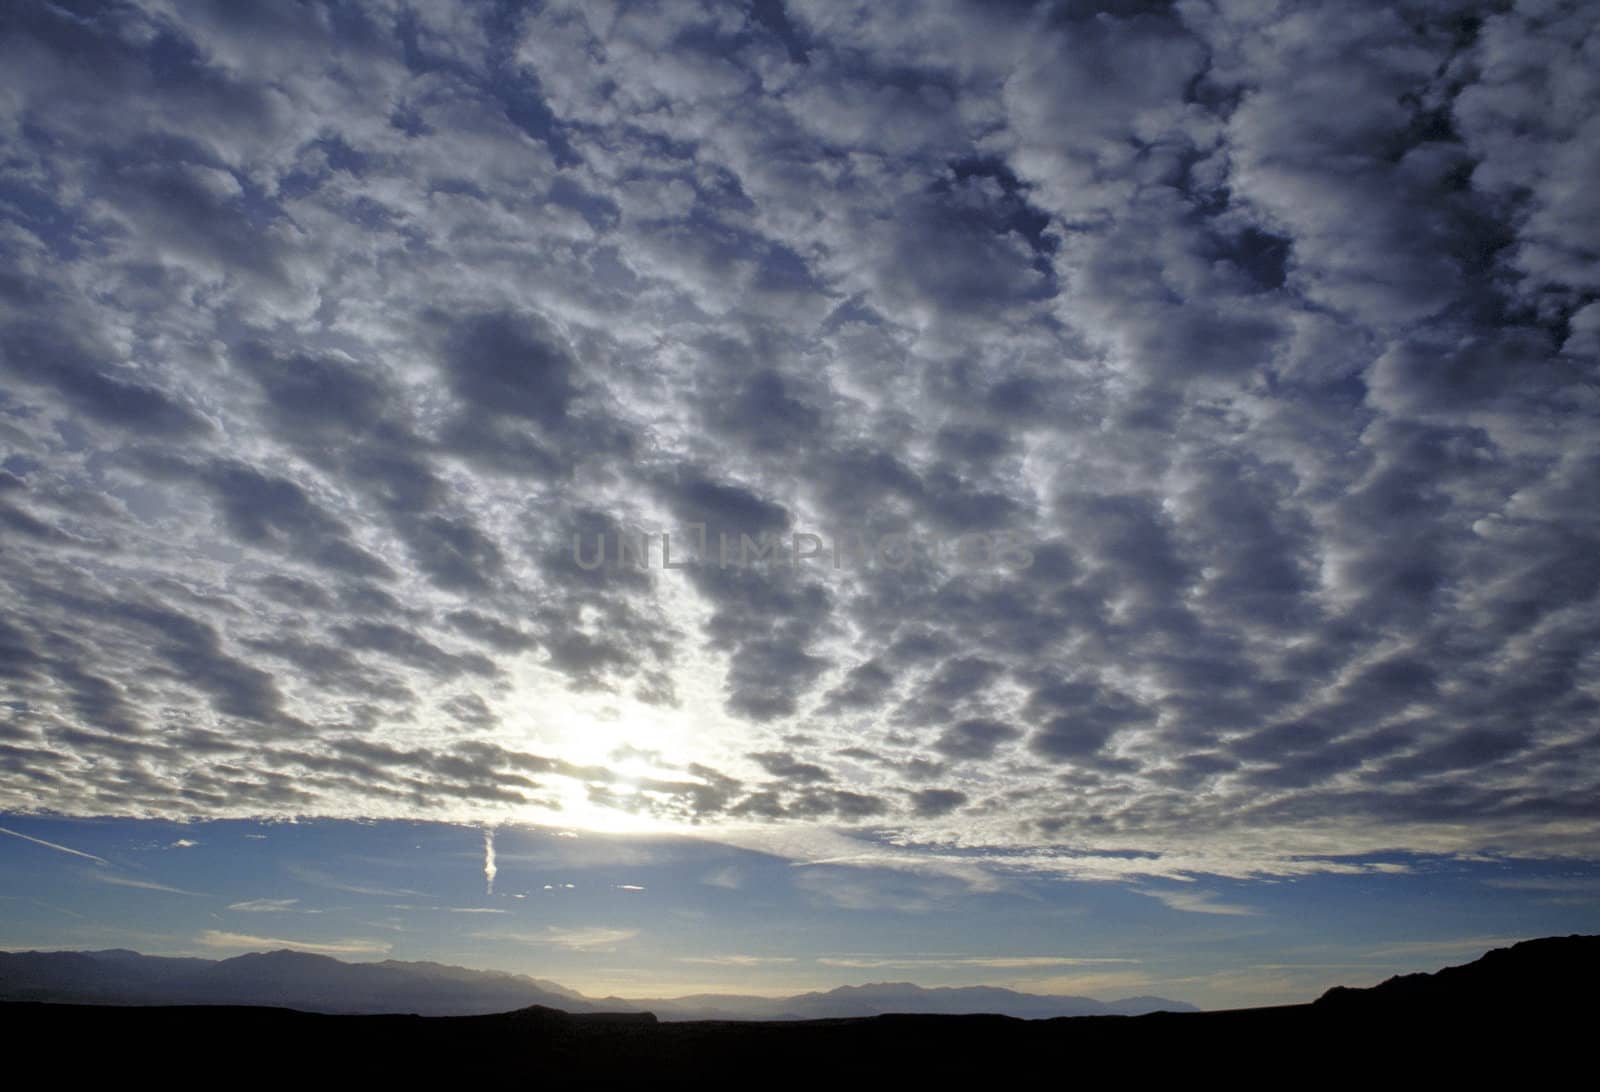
(1521, 1017)
(318, 983)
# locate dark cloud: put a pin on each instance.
(408, 647)
(765, 414)
(974, 739)
(193, 649)
(276, 515)
(932, 803)
(491, 631)
(512, 364)
(782, 765)
(89, 382)
(317, 395)
(726, 508)
(865, 687)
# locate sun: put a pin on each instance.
(612, 751)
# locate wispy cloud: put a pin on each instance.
(992, 962)
(1104, 984)
(477, 910)
(142, 885)
(54, 846)
(183, 843)
(216, 938)
(264, 906)
(727, 878)
(738, 960)
(1197, 902)
(853, 889)
(580, 939)
(318, 878)
(489, 869)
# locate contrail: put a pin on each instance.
(488, 860)
(102, 860)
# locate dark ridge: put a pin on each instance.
(1564, 969)
(1522, 1010)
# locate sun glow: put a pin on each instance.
(619, 754)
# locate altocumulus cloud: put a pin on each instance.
(1272, 328)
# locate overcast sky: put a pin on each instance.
(1251, 347)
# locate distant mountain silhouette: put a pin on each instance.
(317, 983)
(1523, 1015)
(298, 980)
(878, 998)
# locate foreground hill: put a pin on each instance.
(316, 983)
(1564, 970)
(1524, 1012)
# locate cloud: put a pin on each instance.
(577, 939)
(999, 963)
(931, 803)
(728, 878)
(1270, 339)
(1101, 984)
(139, 885)
(264, 906)
(974, 739)
(216, 938)
(318, 878)
(1198, 902)
(861, 889)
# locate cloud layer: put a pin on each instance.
(1270, 331)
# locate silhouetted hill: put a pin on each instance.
(1521, 1014)
(1516, 1014)
(317, 983)
(1565, 970)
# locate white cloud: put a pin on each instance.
(356, 946)
(264, 906)
(320, 878)
(1198, 902)
(990, 962)
(577, 939)
(141, 885)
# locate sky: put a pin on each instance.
(652, 916)
(1102, 498)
